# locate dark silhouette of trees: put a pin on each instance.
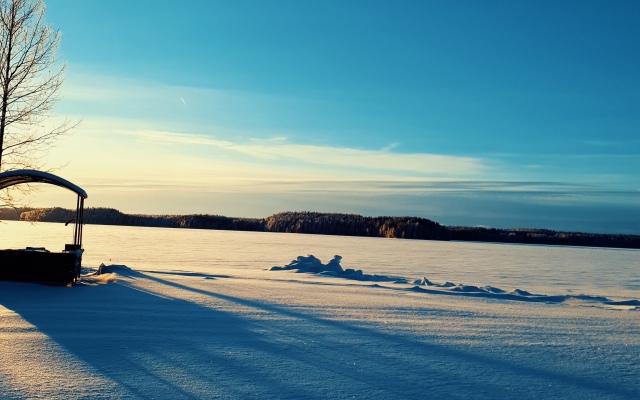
(331, 224)
(110, 216)
(543, 236)
(356, 225)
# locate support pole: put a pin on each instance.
(77, 235)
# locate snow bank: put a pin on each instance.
(104, 274)
(450, 288)
(311, 264)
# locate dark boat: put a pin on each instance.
(38, 264)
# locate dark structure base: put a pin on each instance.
(40, 266)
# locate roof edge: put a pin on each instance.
(19, 176)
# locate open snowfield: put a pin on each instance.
(199, 314)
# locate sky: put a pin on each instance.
(495, 113)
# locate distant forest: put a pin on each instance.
(330, 224)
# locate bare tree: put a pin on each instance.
(30, 80)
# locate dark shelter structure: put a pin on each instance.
(37, 264)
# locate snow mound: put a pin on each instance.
(113, 272)
(109, 277)
(107, 274)
(113, 268)
(450, 288)
(311, 264)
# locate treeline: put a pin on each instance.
(110, 216)
(291, 222)
(356, 225)
(329, 224)
(543, 236)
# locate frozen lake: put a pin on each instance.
(197, 314)
(557, 270)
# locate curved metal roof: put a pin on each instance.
(16, 177)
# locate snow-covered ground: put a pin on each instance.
(202, 314)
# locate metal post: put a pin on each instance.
(77, 236)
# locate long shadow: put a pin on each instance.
(148, 346)
(157, 346)
(427, 349)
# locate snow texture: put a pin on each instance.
(188, 314)
(311, 264)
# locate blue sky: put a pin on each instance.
(496, 113)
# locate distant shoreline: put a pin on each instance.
(331, 224)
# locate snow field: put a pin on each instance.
(197, 314)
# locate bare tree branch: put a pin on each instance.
(30, 80)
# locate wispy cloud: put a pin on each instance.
(419, 164)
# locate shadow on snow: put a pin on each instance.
(153, 345)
